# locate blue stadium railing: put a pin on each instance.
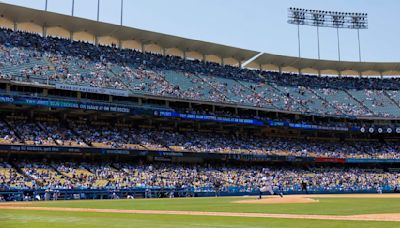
(157, 192)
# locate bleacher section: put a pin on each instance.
(31, 58)
(66, 175)
(80, 132)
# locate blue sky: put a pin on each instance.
(258, 25)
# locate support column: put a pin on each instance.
(44, 31)
(96, 40)
(319, 52)
(338, 42)
(72, 7)
(184, 55)
(122, 12)
(167, 104)
(120, 44)
(140, 101)
(298, 39)
(319, 73)
(110, 98)
(71, 36)
(359, 45)
(64, 116)
(236, 111)
(381, 74)
(260, 67)
(280, 70)
(164, 51)
(45, 92)
(8, 88)
(15, 26)
(98, 10)
(78, 95)
(222, 61)
(239, 63)
(204, 58)
(143, 48)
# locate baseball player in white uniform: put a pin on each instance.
(266, 186)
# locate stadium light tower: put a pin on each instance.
(98, 10)
(122, 12)
(73, 7)
(331, 19)
(297, 17)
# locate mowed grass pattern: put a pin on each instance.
(325, 206)
(45, 219)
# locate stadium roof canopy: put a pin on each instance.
(19, 15)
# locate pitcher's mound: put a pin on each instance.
(279, 200)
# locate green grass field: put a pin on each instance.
(326, 206)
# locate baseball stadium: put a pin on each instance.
(108, 125)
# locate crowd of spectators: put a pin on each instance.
(242, 144)
(84, 133)
(100, 134)
(81, 71)
(62, 135)
(60, 60)
(6, 134)
(31, 133)
(10, 178)
(82, 175)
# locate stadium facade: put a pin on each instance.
(90, 109)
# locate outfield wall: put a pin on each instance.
(154, 192)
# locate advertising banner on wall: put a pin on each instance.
(90, 89)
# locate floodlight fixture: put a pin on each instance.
(330, 19)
